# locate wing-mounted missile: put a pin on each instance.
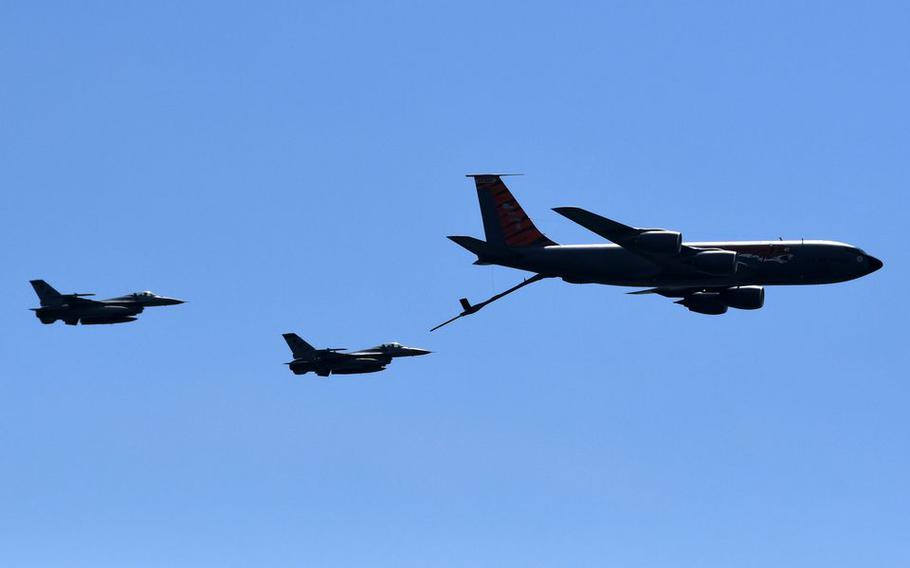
(101, 320)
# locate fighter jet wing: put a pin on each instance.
(335, 353)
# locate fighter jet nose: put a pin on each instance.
(172, 301)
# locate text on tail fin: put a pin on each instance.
(504, 220)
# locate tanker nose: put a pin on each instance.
(874, 264)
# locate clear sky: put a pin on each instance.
(287, 166)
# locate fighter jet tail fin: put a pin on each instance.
(298, 346)
(46, 293)
(505, 223)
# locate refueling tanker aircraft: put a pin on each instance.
(325, 362)
(75, 308)
(706, 277)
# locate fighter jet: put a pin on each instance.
(706, 277)
(75, 308)
(324, 362)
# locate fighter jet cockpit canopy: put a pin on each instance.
(145, 294)
(393, 345)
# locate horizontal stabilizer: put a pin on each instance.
(485, 251)
(489, 178)
(476, 246)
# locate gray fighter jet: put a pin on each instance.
(324, 362)
(706, 277)
(75, 308)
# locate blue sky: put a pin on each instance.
(295, 167)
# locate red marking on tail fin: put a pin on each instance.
(515, 228)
